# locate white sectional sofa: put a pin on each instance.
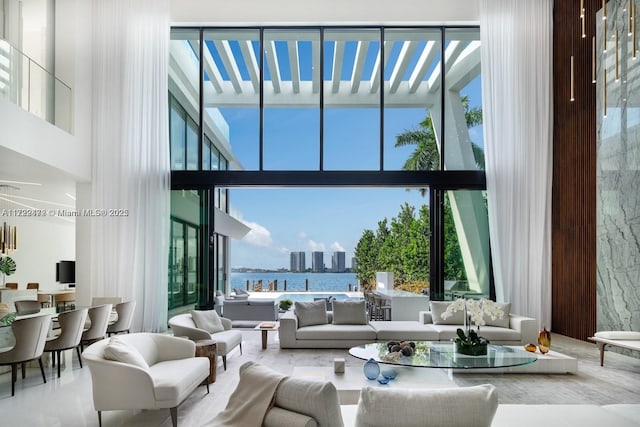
(516, 330)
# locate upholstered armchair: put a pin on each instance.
(226, 340)
(144, 371)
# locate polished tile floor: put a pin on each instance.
(67, 401)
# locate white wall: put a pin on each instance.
(325, 12)
(41, 244)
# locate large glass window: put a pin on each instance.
(352, 69)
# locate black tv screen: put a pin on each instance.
(66, 272)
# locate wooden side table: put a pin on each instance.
(207, 348)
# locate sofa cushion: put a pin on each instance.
(439, 307)
(173, 380)
(349, 312)
(402, 330)
(317, 399)
(120, 351)
(331, 332)
(451, 407)
(207, 320)
(501, 322)
(618, 335)
(311, 313)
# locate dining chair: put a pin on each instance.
(71, 325)
(44, 300)
(99, 317)
(33, 285)
(11, 285)
(125, 315)
(30, 335)
(27, 306)
(65, 298)
(105, 300)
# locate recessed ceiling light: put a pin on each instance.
(20, 182)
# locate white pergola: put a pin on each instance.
(412, 78)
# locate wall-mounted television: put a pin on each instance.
(66, 272)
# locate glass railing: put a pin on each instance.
(28, 85)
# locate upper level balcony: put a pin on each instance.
(27, 84)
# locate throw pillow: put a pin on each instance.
(311, 313)
(618, 335)
(501, 322)
(207, 320)
(349, 313)
(120, 351)
(439, 307)
(314, 398)
(451, 407)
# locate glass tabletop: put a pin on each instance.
(432, 354)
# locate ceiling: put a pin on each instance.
(50, 195)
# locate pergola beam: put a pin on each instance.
(422, 66)
(251, 64)
(272, 63)
(338, 60)
(294, 64)
(209, 66)
(230, 64)
(358, 66)
(406, 53)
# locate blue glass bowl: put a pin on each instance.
(389, 373)
(383, 380)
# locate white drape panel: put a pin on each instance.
(517, 104)
(131, 155)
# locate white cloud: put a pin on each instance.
(284, 250)
(315, 246)
(302, 235)
(258, 236)
(337, 247)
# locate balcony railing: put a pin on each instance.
(28, 85)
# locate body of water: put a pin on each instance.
(318, 282)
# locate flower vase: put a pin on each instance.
(371, 369)
(471, 350)
(544, 340)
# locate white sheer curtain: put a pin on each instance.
(131, 168)
(517, 106)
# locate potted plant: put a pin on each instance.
(7, 267)
(285, 304)
(468, 341)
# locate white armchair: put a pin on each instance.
(172, 374)
(227, 340)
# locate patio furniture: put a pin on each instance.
(33, 285)
(11, 285)
(30, 335)
(144, 371)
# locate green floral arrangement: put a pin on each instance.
(285, 304)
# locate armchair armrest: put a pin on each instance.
(527, 326)
(119, 385)
(173, 348)
(226, 323)
(287, 329)
(194, 334)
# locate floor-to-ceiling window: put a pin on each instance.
(346, 107)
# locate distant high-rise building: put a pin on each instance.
(317, 262)
(338, 262)
(297, 262)
(354, 263)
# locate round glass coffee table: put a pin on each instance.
(432, 354)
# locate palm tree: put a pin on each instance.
(426, 155)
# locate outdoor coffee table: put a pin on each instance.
(265, 327)
(431, 354)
